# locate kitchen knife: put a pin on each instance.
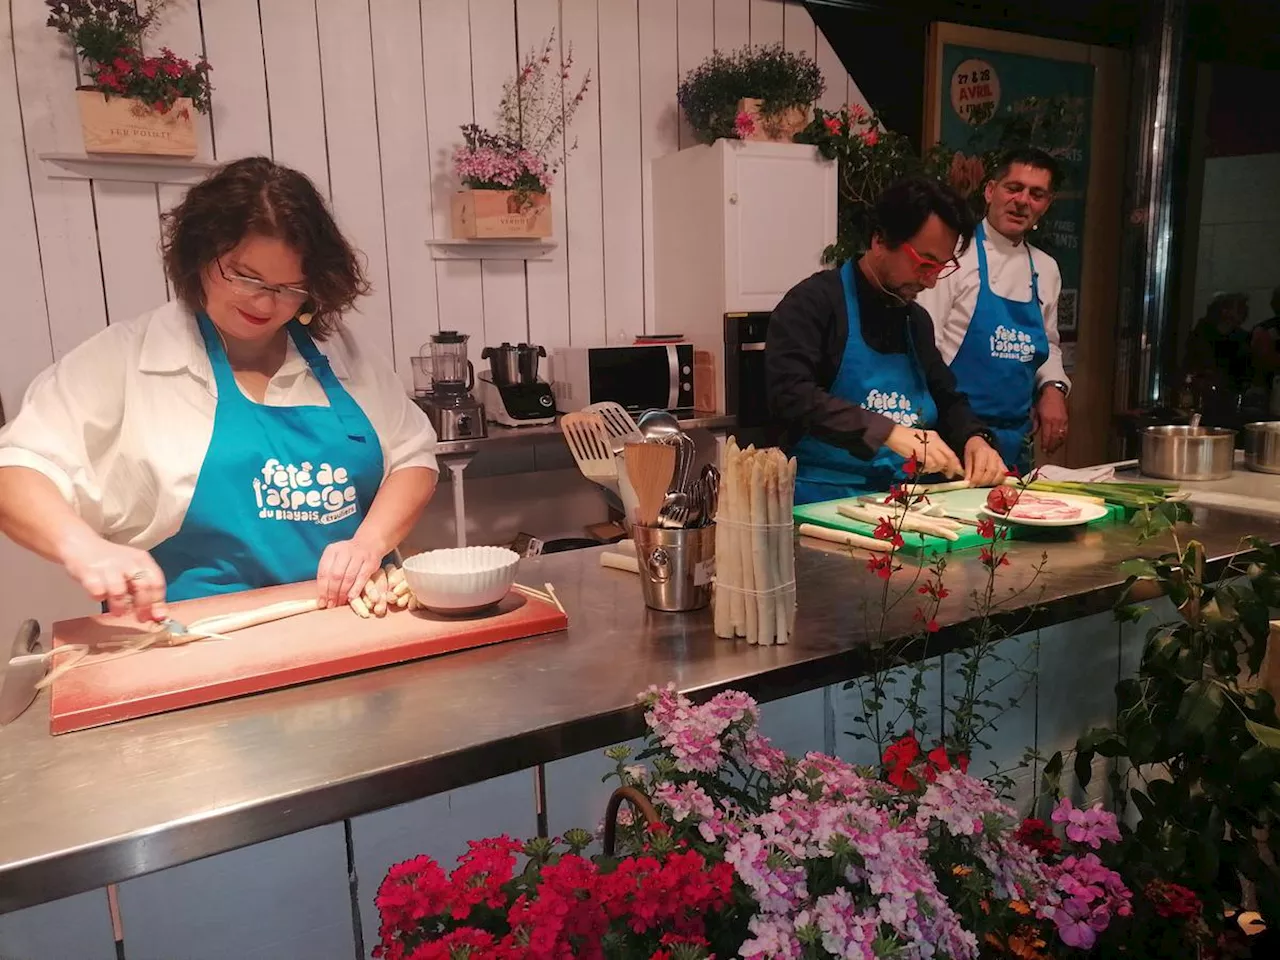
(27, 666)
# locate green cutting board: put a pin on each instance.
(961, 503)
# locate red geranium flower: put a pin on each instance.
(881, 565)
(912, 466)
(1036, 835)
(987, 528)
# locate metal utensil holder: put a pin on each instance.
(677, 567)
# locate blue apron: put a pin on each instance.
(996, 364)
(891, 384)
(277, 486)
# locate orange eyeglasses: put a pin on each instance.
(929, 268)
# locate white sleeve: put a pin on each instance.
(406, 435)
(1050, 282)
(70, 421)
(950, 305)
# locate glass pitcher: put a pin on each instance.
(451, 371)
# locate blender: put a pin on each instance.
(452, 409)
(512, 393)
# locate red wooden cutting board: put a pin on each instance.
(313, 646)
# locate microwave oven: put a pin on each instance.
(640, 377)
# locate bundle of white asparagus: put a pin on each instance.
(385, 591)
(755, 592)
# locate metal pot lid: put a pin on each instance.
(449, 336)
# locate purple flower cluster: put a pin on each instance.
(835, 857)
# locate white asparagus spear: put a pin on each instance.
(846, 537)
(778, 534)
(620, 561)
(742, 520)
(230, 622)
(790, 548)
(760, 549)
(729, 564)
(909, 522)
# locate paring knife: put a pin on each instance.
(28, 664)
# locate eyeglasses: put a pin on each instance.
(249, 287)
(929, 268)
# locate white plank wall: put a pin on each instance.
(366, 99)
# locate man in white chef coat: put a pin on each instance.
(996, 318)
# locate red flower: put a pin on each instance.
(1035, 835)
(1172, 900)
(939, 760)
(987, 528)
(121, 65)
(930, 623)
(931, 589)
(898, 494)
(833, 125)
(991, 560)
(149, 67)
(744, 125)
(897, 762)
(871, 137)
(857, 111)
(1013, 472)
(885, 531)
(962, 761)
(881, 565)
(912, 466)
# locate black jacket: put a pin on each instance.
(806, 341)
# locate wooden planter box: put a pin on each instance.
(778, 127)
(125, 125)
(493, 214)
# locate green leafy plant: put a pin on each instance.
(108, 35)
(871, 157)
(1196, 742)
(710, 93)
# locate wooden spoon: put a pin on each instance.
(650, 467)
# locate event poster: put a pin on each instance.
(989, 95)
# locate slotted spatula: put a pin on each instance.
(619, 424)
(588, 441)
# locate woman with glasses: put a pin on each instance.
(239, 436)
(853, 375)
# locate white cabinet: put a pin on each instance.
(736, 225)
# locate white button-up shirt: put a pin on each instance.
(121, 424)
(952, 301)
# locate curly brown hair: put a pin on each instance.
(256, 196)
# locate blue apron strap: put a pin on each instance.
(1035, 279)
(223, 377)
(979, 238)
(341, 402)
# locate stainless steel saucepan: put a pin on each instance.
(1262, 446)
(1187, 453)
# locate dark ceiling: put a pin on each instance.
(882, 42)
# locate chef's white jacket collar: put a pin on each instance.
(173, 344)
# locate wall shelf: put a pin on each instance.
(486, 249)
(131, 168)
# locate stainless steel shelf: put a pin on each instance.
(501, 437)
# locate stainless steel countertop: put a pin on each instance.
(103, 805)
(500, 436)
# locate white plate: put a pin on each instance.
(1088, 513)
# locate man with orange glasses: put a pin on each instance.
(854, 378)
(996, 317)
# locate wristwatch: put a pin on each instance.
(1057, 384)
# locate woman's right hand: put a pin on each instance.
(125, 577)
(931, 453)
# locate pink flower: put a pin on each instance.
(871, 137)
(1089, 827)
(744, 125)
(833, 125)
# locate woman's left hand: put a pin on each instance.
(982, 464)
(345, 567)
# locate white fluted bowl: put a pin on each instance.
(461, 579)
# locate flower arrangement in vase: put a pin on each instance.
(506, 174)
(134, 103)
(756, 93)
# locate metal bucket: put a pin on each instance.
(676, 566)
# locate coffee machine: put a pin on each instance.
(512, 393)
(443, 382)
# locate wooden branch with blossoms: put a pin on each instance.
(528, 149)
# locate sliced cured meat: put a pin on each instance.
(1030, 506)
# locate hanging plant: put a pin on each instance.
(775, 81)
